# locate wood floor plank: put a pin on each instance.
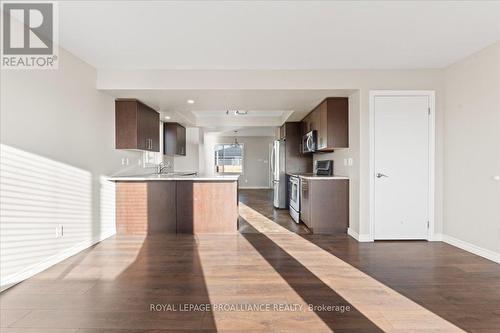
(390, 286)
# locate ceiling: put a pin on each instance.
(243, 131)
(276, 34)
(266, 108)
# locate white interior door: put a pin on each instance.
(401, 167)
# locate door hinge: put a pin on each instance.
(428, 224)
(429, 111)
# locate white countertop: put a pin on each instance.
(149, 177)
(314, 177)
(319, 177)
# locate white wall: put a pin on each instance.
(472, 150)
(256, 170)
(57, 135)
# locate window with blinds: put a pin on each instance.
(228, 158)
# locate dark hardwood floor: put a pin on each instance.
(262, 201)
(388, 286)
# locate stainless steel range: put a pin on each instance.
(294, 198)
(322, 168)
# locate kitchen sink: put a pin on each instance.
(176, 174)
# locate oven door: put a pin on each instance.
(295, 193)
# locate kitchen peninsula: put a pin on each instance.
(176, 203)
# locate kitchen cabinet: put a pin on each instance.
(306, 124)
(305, 204)
(324, 205)
(137, 126)
(170, 206)
(314, 120)
(146, 207)
(207, 207)
(295, 161)
(174, 139)
(283, 131)
(330, 120)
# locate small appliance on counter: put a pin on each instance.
(324, 168)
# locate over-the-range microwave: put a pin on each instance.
(309, 142)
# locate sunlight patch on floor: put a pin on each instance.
(385, 307)
(243, 276)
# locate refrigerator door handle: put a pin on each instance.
(272, 161)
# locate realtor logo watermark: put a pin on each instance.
(29, 35)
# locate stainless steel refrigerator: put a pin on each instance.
(278, 173)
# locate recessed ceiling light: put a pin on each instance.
(190, 101)
(237, 112)
(167, 117)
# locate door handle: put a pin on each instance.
(380, 175)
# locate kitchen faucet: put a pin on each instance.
(162, 166)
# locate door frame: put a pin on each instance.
(432, 146)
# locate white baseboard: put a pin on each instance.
(32, 270)
(358, 237)
(488, 254)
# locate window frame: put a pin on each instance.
(242, 158)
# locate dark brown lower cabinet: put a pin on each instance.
(207, 207)
(145, 207)
(305, 206)
(162, 207)
(324, 205)
(150, 207)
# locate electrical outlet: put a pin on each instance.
(59, 231)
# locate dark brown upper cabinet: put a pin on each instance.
(174, 139)
(295, 161)
(330, 119)
(137, 126)
(283, 132)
